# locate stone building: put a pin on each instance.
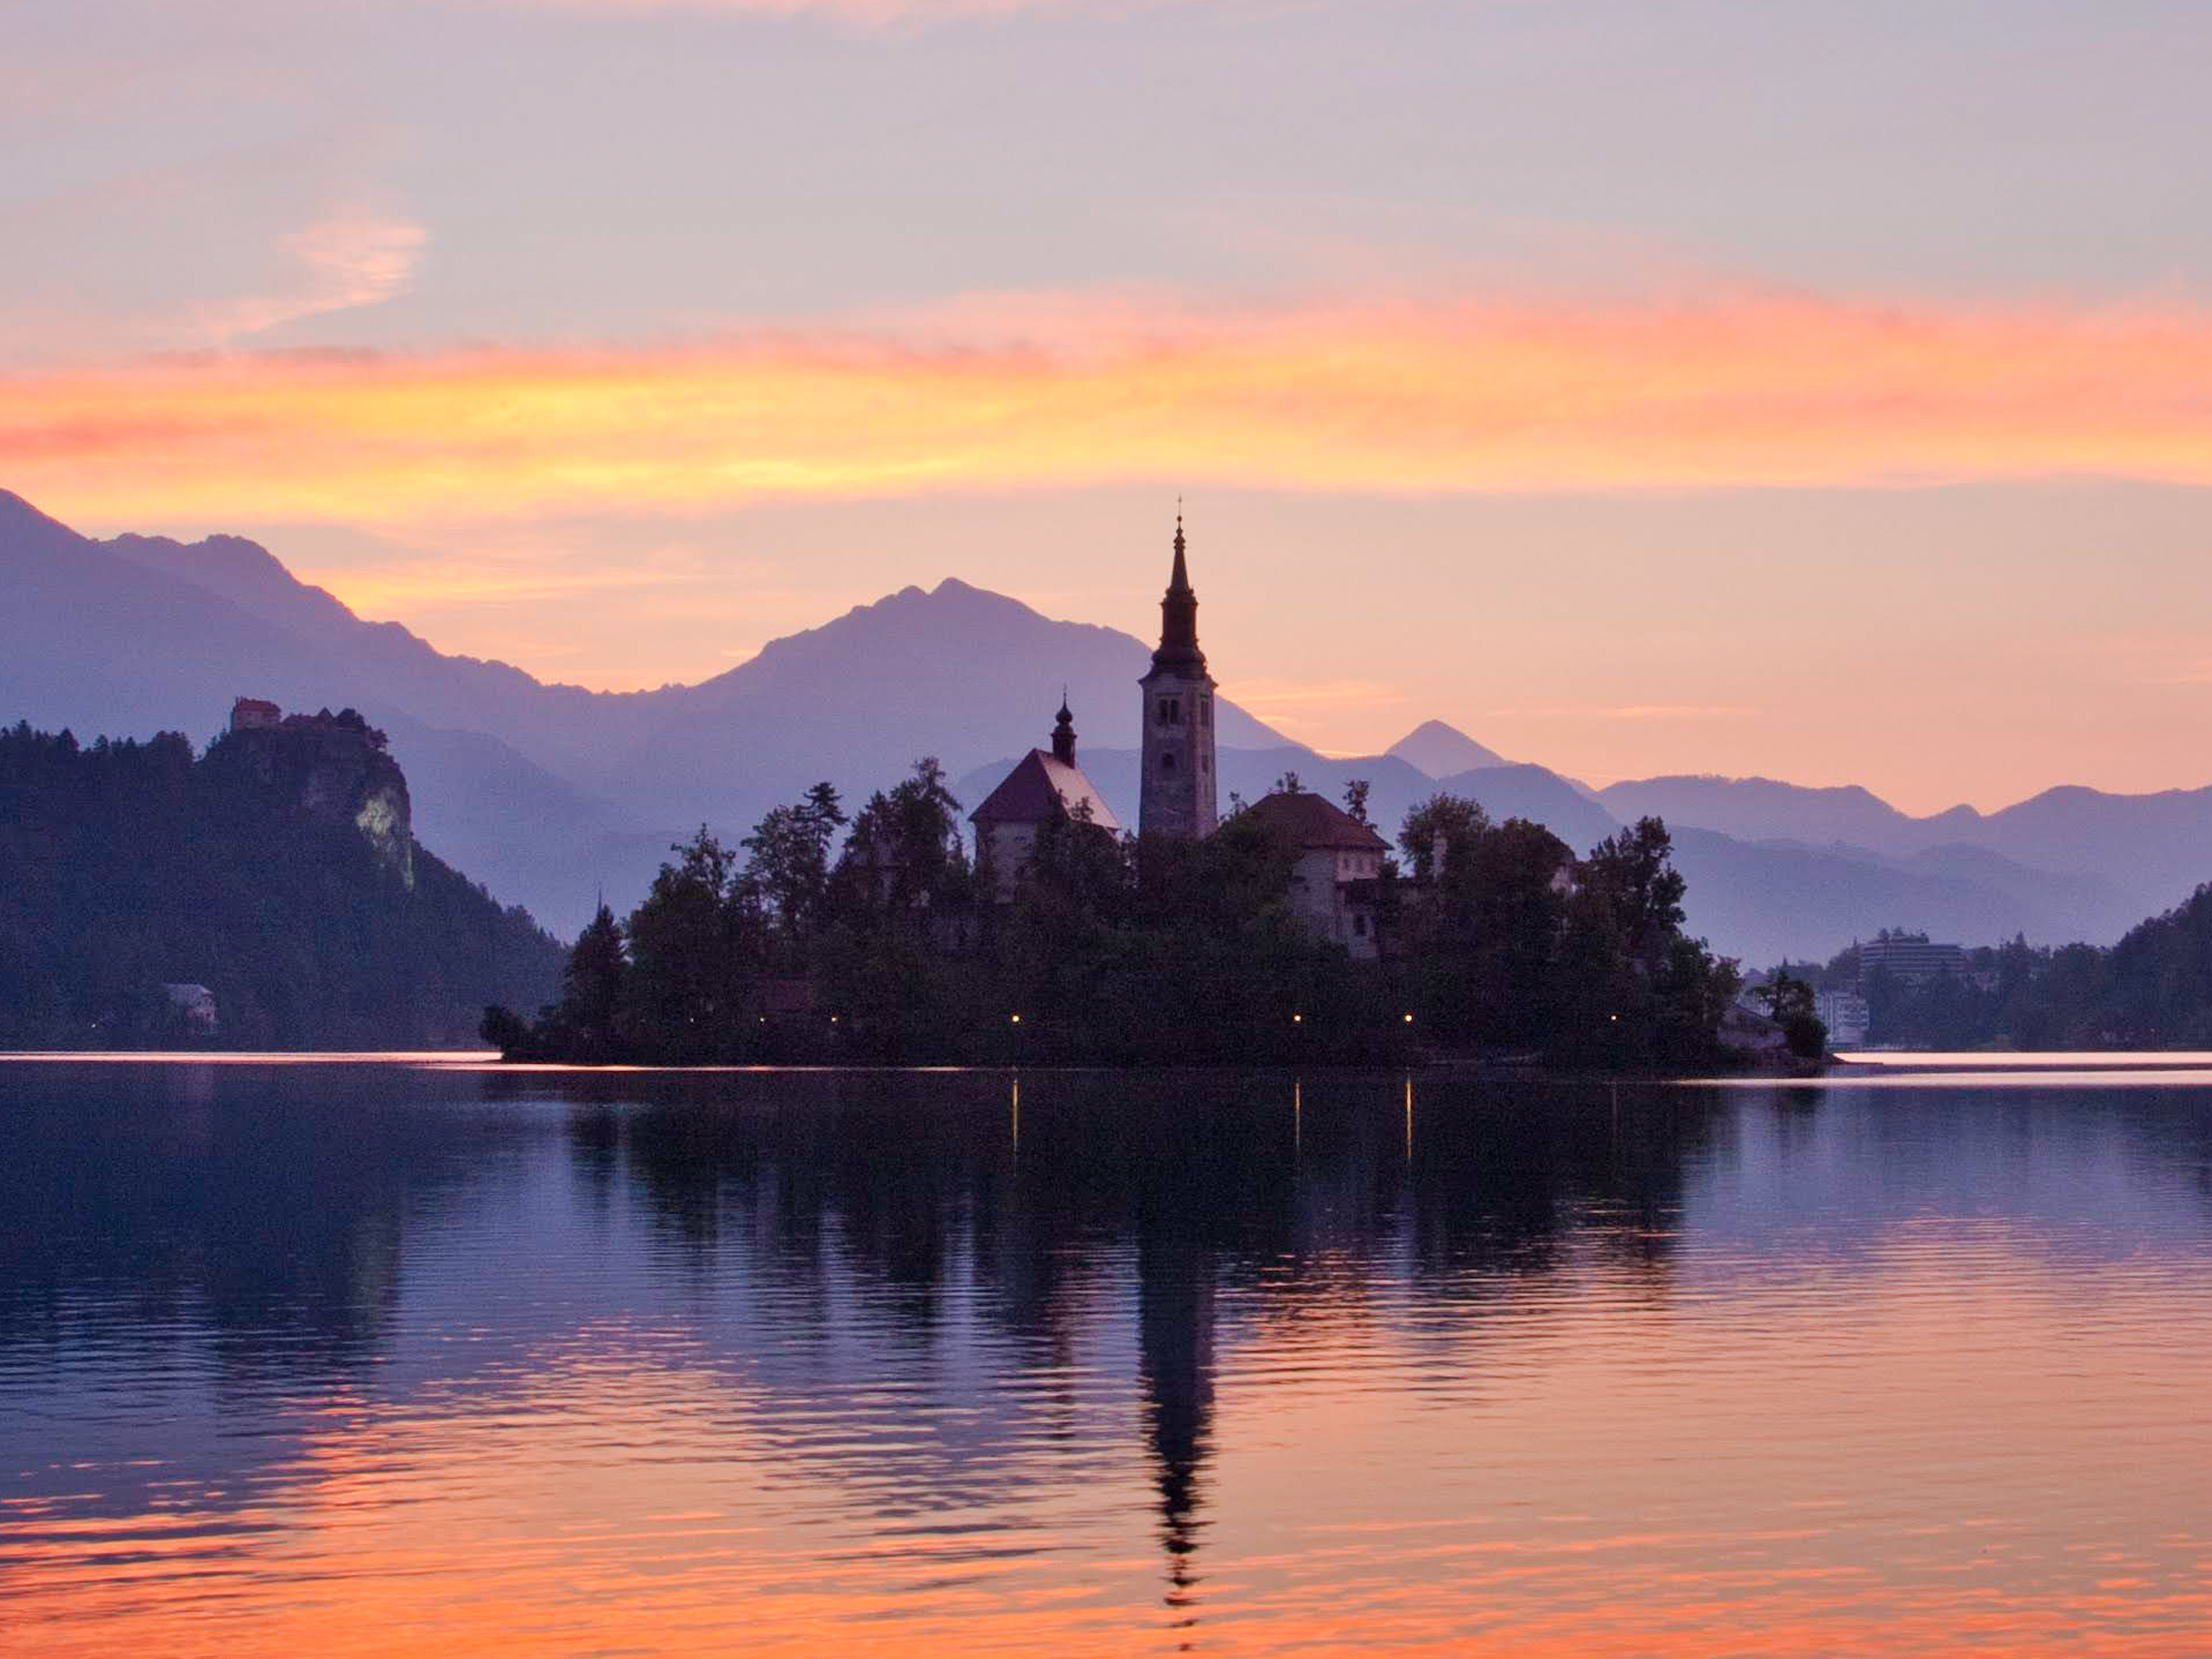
(1044, 787)
(1176, 798)
(1332, 884)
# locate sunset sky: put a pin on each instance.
(1820, 390)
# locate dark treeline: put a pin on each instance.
(127, 865)
(892, 949)
(2154, 989)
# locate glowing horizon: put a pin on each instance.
(1755, 390)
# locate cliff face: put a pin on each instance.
(275, 879)
(334, 769)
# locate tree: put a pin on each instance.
(1484, 929)
(904, 853)
(506, 1031)
(1446, 823)
(789, 862)
(1791, 1004)
(1637, 992)
(593, 988)
(1633, 876)
(692, 954)
(1356, 799)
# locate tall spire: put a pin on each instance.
(1064, 734)
(1179, 615)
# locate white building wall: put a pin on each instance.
(1318, 898)
(1007, 847)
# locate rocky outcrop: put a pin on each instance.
(334, 768)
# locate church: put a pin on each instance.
(1338, 859)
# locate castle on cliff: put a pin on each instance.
(337, 767)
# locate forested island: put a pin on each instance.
(895, 947)
(268, 893)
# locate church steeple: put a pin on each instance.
(1064, 734)
(1177, 801)
(1179, 617)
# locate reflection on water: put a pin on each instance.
(374, 1359)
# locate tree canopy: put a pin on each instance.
(893, 947)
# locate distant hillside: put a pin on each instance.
(278, 872)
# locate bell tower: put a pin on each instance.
(1177, 799)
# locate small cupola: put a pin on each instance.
(1064, 734)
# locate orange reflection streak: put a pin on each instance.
(522, 1519)
(1759, 391)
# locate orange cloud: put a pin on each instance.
(1755, 390)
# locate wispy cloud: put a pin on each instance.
(1745, 390)
(343, 260)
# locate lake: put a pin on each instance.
(394, 1357)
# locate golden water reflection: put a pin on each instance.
(1236, 1366)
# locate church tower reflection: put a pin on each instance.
(1175, 1314)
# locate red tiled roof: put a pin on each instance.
(1038, 787)
(1315, 824)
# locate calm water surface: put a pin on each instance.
(388, 1359)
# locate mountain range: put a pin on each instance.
(553, 794)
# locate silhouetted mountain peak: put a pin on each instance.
(1440, 750)
(24, 528)
(246, 574)
(914, 632)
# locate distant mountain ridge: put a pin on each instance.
(552, 794)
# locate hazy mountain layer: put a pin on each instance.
(552, 794)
